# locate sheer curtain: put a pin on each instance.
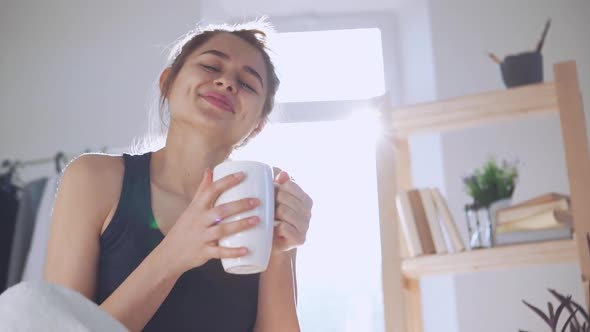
(339, 267)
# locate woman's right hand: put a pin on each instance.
(193, 240)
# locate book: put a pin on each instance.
(408, 224)
(433, 221)
(516, 237)
(544, 198)
(542, 220)
(439, 217)
(421, 222)
(449, 225)
(534, 206)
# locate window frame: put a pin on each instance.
(342, 109)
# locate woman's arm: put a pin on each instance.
(87, 192)
(277, 295)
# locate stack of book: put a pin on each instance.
(542, 218)
(426, 223)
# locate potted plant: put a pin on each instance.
(571, 316)
(490, 188)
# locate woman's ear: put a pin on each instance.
(163, 78)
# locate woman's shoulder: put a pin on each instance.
(96, 167)
(99, 176)
(89, 189)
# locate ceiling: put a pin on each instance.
(223, 9)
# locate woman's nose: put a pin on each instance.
(226, 83)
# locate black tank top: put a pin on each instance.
(203, 299)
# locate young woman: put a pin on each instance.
(137, 233)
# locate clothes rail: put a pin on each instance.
(60, 158)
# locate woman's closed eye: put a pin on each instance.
(241, 83)
(246, 86)
(210, 68)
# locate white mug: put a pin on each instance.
(257, 183)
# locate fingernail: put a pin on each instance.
(253, 202)
(239, 175)
(253, 221)
(243, 251)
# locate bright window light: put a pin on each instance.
(339, 267)
(328, 65)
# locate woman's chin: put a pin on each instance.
(209, 119)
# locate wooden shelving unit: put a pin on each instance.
(498, 258)
(474, 110)
(401, 275)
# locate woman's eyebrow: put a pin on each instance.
(254, 73)
(224, 56)
(217, 53)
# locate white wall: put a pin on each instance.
(224, 9)
(439, 304)
(78, 75)
(462, 31)
(417, 84)
(491, 302)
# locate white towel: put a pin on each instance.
(43, 306)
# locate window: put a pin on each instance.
(329, 65)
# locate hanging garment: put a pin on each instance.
(35, 262)
(30, 199)
(8, 210)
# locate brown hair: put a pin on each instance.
(253, 33)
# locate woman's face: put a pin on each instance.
(220, 89)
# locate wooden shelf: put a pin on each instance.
(550, 252)
(401, 277)
(473, 110)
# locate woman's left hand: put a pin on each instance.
(292, 212)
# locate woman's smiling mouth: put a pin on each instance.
(219, 100)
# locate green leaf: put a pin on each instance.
(570, 306)
(538, 312)
(491, 182)
(569, 322)
(562, 306)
